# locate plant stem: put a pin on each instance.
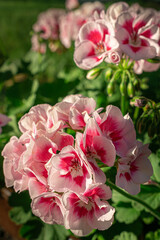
(136, 113)
(134, 198)
(123, 107)
(123, 92)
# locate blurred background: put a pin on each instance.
(18, 16)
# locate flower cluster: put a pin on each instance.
(62, 171)
(123, 31)
(57, 26)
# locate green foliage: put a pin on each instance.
(155, 161)
(19, 216)
(37, 230)
(153, 235)
(126, 213)
(125, 236)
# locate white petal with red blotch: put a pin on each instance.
(111, 43)
(85, 55)
(101, 190)
(60, 111)
(141, 168)
(85, 104)
(92, 129)
(104, 216)
(76, 220)
(76, 119)
(91, 31)
(128, 139)
(69, 171)
(150, 32)
(141, 52)
(105, 150)
(48, 207)
(125, 181)
(63, 139)
(36, 113)
(21, 184)
(143, 19)
(119, 129)
(98, 175)
(124, 21)
(76, 213)
(35, 187)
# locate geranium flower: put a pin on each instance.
(134, 169)
(48, 207)
(119, 129)
(95, 40)
(69, 170)
(137, 35)
(88, 211)
(96, 147)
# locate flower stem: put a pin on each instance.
(123, 107)
(123, 92)
(134, 198)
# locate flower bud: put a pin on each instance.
(108, 74)
(110, 88)
(130, 89)
(136, 84)
(94, 73)
(152, 130)
(141, 124)
(122, 88)
(139, 102)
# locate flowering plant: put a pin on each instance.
(63, 174)
(80, 157)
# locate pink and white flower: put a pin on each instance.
(119, 129)
(88, 211)
(143, 65)
(95, 40)
(74, 110)
(48, 207)
(37, 118)
(96, 147)
(69, 170)
(138, 35)
(13, 153)
(134, 169)
(115, 10)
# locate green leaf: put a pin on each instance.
(126, 236)
(125, 213)
(27, 103)
(117, 197)
(19, 216)
(32, 229)
(38, 230)
(147, 217)
(20, 199)
(151, 195)
(98, 237)
(56, 232)
(153, 235)
(155, 161)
